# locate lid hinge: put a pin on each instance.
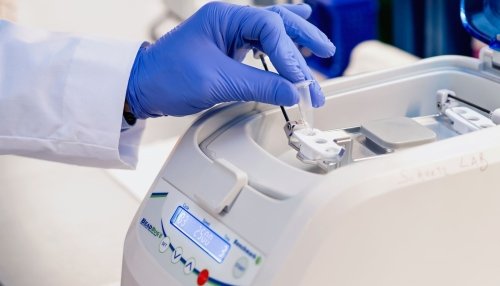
(490, 60)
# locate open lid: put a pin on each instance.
(482, 19)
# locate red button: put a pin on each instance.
(202, 277)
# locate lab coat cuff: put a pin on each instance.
(97, 83)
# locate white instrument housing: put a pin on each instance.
(420, 215)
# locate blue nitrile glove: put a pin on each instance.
(198, 64)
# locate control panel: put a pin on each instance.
(193, 246)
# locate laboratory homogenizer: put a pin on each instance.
(413, 198)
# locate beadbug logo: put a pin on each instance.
(248, 251)
(151, 228)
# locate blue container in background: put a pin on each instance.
(428, 28)
(347, 23)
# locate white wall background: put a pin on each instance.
(122, 19)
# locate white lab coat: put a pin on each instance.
(62, 96)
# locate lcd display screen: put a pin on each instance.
(205, 238)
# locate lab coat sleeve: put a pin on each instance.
(62, 97)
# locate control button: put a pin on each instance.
(189, 266)
(164, 244)
(240, 267)
(176, 255)
(202, 277)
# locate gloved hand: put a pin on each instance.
(198, 64)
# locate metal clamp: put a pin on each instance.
(316, 147)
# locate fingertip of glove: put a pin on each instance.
(319, 102)
(329, 49)
(332, 48)
(306, 8)
(318, 99)
(324, 48)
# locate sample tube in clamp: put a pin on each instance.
(305, 105)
